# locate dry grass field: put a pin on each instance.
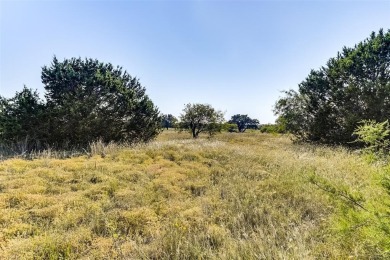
(235, 196)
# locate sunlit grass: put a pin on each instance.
(234, 196)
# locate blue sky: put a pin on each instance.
(235, 55)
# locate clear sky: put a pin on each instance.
(235, 55)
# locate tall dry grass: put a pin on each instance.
(235, 196)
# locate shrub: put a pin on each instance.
(231, 128)
(374, 135)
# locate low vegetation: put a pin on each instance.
(234, 196)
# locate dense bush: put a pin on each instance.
(271, 129)
(352, 87)
(86, 100)
(231, 128)
(22, 122)
(91, 100)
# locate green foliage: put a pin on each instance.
(22, 122)
(353, 198)
(198, 118)
(91, 100)
(281, 125)
(231, 128)
(86, 101)
(359, 217)
(374, 135)
(243, 122)
(168, 121)
(278, 128)
(352, 87)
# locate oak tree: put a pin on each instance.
(198, 118)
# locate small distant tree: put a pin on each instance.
(243, 121)
(198, 118)
(168, 121)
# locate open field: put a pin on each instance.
(235, 196)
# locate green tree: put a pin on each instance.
(198, 118)
(331, 101)
(22, 118)
(243, 121)
(90, 100)
(168, 121)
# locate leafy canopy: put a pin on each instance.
(86, 100)
(168, 121)
(331, 101)
(90, 100)
(198, 118)
(22, 125)
(243, 121)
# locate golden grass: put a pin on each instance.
(235, 196)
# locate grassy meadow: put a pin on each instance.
(234, 196)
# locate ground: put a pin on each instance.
(234, 196)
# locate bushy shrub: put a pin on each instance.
(374, 135)
(90, 100)
(332, 100)
(22, 122)
(268, 128)
(86, 101)
(272, 129)
(231, 128)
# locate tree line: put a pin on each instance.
(87, 100)
(203, 118)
